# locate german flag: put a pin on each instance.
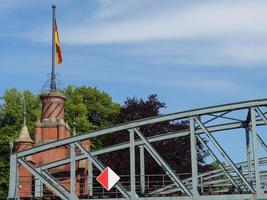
(58, 48)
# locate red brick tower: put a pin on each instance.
(52, 127)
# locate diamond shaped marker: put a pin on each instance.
(108, 178)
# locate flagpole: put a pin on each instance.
(53, 86)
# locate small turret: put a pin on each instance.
(24, 140)
(24, 136)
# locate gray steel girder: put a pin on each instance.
(146, 121)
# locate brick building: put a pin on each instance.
(50, 127)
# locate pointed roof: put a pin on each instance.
(24, 136)
(38, 123)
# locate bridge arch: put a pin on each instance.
(248, 183)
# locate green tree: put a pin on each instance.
(89, 107)
(11, 119)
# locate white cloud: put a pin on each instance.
(226, 19)
(208, 33)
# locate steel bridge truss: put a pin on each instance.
(247, 179)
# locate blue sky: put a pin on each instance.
(191, 53)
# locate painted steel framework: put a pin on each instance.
(246, 180)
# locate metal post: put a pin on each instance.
(132, 163)
(194, 165)
(163, 164)
(53, 86)
(13, 178)
(90, 178)
(72, 170)
(142, 169)
(56, 183)
(248, 148)
(255, 151)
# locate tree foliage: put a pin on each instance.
(175, 151)
(11, 119)
(89, 107)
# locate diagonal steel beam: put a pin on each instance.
(261, 141)
(43, 179)
(224, 154)
(55, 182)
(263, 117)
(230, 118)
(163, 164)
(261, 114)
(101, 167)
(216, 117)
(219, 162)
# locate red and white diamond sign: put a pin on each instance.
(108, 178)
